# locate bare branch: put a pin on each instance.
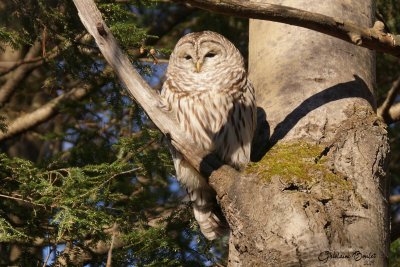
(20, 199)
(159, 60)
(109, 255)
(141, 91)
(39, 60)
(374, 38)
(19, 75)
(385, 109)
(44, 113)
(394, 113)
(12, 65)
(162, 24)
(394, 199)
(47, 258)
(24, 67)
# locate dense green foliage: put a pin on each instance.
(99, 162)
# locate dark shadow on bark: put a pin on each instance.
(260, 143)
(210, 163)
(263, 142)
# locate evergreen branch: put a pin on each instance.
(375, 38)
(165, 213)
(43, 113)
(107, 181)
(387, 111)
(45, 56)
(130, 154)
(23, 200)
(83, 254)
(136, 55)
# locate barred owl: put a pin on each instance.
(208, 91)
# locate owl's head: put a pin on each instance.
(200, 54)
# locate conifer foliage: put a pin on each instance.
(88, 177)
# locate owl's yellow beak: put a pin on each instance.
(198, 66)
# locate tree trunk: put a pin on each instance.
(318, 196)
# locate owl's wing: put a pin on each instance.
(165, 102)
(250, 99)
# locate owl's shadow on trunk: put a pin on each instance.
(260, 144)
(264, 141)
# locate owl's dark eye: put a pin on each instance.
(187, 57)
(210, 54)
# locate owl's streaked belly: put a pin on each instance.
(217, 123)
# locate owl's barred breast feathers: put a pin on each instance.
(208, 91)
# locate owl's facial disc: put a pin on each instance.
(200, 57)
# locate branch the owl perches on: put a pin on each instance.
(220, 176)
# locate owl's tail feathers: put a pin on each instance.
(207, 213)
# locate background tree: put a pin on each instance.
(94, 164)
(320, 108)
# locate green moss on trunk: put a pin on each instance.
(299, 163)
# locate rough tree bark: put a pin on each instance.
(319, 195)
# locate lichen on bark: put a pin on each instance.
(300, 163)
